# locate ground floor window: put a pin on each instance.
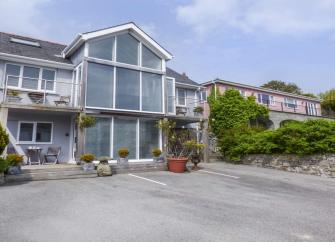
(138, 135)
(35, 132)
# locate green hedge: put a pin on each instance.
(301, 138)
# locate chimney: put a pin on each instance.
(184, 75)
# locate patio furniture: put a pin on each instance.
(34, 151)
(36, 97)
(53, 152)
(63, 100)
(181, 110)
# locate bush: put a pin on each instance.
(3, 165)
(123, 152)
(88, 157)
(300, 138)
(4, 140)
(156, 152)
(14, 159)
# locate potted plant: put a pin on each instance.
(14, 162)
(88, 161)
(156, 152)
(3, 168)
(198, 110)
(85, 121)
(197, 153)
(123, 153)
(104, 168)
(180, 145)
(13, 96)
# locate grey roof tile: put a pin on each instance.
(46, 51)
(181, 78)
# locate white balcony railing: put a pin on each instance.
(188, 107)
(40, 92)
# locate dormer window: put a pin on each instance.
(25, 42)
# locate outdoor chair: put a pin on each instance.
(181, 110)
(63, 100)
(53, 152)
(36, 97)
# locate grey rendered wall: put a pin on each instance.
(78, 55)
(61, 129)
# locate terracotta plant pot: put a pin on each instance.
(177, 165)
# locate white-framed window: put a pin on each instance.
(124, 48)
(171, 90)
(203, 96)
(30, 77)
(311, 109)
(266, 99)
(291, 102)
(181, 96)
(35, 132)
(242, 92)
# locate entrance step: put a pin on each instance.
(50, 172)
(137, 167)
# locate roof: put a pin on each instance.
(180, 78)
(46, 51)
(262, 89)
(131, 27)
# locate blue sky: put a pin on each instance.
(247, 41)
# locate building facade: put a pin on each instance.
(118, 75)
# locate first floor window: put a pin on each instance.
(35, 132)
(266, 99)
(290, 102)
(311, 109)
(181, 97)
(171, 95)
(29, 77)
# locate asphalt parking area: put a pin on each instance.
(220, 203)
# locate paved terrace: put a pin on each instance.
(220, 203)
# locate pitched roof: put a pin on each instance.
(47, 50)
(180, 78)
(131, 27)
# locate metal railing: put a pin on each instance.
(307, 109)
(30, 91)
(188, 107)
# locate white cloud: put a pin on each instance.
(22, 17)
(272, 16)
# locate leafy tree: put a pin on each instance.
(231, 110)
(328, 100)
(282, 86)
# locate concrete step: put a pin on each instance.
(50, 168)
(139, 167)
(50, 175)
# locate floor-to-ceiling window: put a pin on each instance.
(124, 74)
(138, 135)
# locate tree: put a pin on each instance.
(231, 110)
(328, 100)
(282, 86)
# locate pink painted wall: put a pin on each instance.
(277, 105)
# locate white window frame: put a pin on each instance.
(287, 103)
(271, 99)
(173, 80)
(34, 132)
(202, 99)
(312, 109)
(242, 93)
(40, 75)
(177, 97)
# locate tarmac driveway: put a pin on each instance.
(220, 203)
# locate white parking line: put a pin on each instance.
(143, 178)
(220, 174)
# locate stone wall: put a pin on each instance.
(319, 165)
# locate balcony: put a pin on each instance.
(310, 110)
(192, 108)
(53, 94)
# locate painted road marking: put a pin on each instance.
(220, 174)
(143, 178)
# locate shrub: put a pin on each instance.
(85, 121)
(156, 152)
(3, 165)
(4, 140)
(88, 157)
(14, 159)
(300, 138)
(123, 152)
(198, 109)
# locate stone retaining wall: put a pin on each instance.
(319, 165)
